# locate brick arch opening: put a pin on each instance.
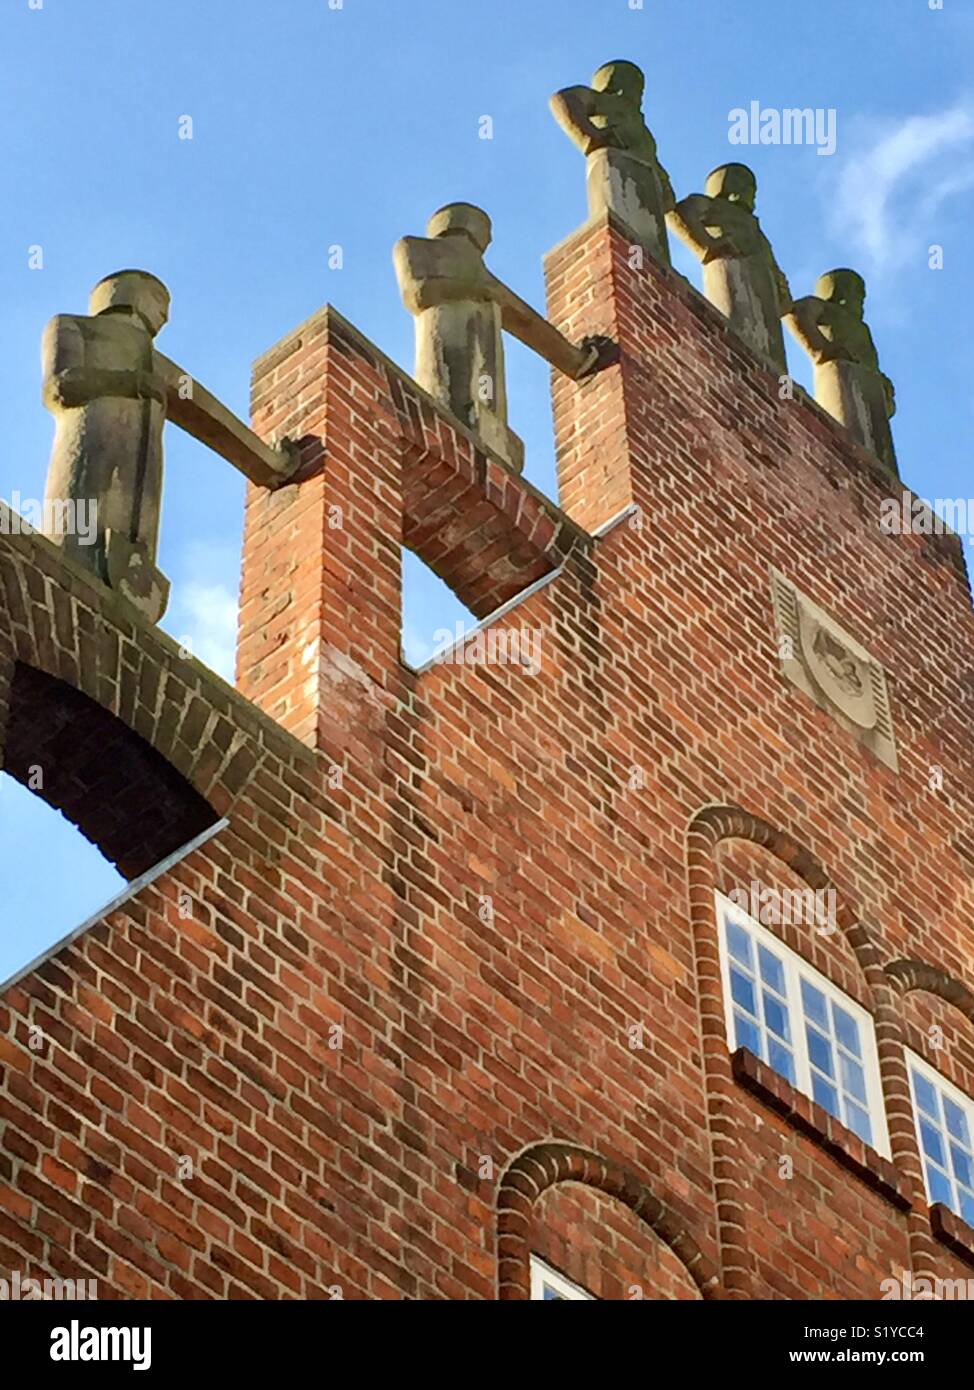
(541, 1167)
(937, 1018)
(118, 790)
(910, 974)
(934, 1004)
(712, 826)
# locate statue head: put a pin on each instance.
(461, 219)
(733, 182)
(843, 287)
(135, 291)
(622, 79)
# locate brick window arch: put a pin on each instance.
(707, 831)
(544, 1165)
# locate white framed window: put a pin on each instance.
(548, 1284)
(788, 1014)
(945, 1127)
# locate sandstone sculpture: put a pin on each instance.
(740, 274)
(110, 392)
(460, 310)
(623, 172)
(848, 382)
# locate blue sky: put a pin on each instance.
(316, 126)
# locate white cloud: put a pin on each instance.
(893, 186)
(209, 625)
(203, 608)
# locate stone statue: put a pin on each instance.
(110, 392)
(460, 310)
(624, 175)
(740, 274)
(109, 406)
(848, 382)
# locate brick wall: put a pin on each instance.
(386, 1013)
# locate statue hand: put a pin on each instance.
(719, 247)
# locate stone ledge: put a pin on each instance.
(951, 1230)
(821, 1127)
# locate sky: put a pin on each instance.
(345, 123)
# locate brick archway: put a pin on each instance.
(78, 665)
(707, 830)
(83, 761)
(542, 1166)
(910, 974)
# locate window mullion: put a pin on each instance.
(803, 1068)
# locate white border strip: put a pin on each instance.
(614, 521)
(127, 893)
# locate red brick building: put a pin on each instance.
(442, 982)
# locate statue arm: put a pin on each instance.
(434, 272)
(803, 320)
(69, 383)
(530, 328)
(688, 220)
(573, 109)
(199, 413)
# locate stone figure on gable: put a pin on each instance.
(849, 384)
(624, 175)
(740, 274)
(111, 391)
(461, 310)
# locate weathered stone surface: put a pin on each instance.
(624, 175)
(740, 274)
(111, 392)
(109, 406)
(461, 310)
(849, 384)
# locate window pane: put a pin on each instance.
(846, 1029)
(772, 971)
(931, 1143)
(825, 1095)
(853, 1077)
(926, 1095)
(746, 1034)
(738, 943)
(776, 1017)
(956, 1121)
(939, 1186)
(967, 1207)
(742, 992)
(820, 1051)
(962, 1165)
(858, 1121)
(813, 1002)
(781, 1059)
